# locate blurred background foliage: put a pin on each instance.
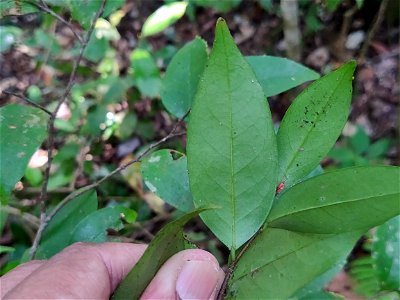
(114, 111)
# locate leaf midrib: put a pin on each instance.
(328, 205)
(233, 207)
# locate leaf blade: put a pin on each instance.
(231, 166)
(23, 129)
(156, 171)
(181, 79)
(385, 253)
(58, 232)
(166, 243)
(313, 123)
(273, 73)
(163, 17)
(326, 203)
(294, 261)
(93, 227)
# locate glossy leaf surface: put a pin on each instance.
(231, 145)
(386, 254)
(278, 74)
(182, 77)
(168, 241)
(93, 228)
(22, 130)
(58, 233)
(340, 201)
(292, 260)
(163, 17)
(313, 123)
(167, 176)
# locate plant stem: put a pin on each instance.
(44, 222)
(29, 101)
(233, 265)
(377, 22)
(51, 132)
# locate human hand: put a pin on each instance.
(93, 271)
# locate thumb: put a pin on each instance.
(189, 274)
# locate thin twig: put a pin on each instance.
(33, 220)
(73, 195)
(100, 181)
(29, 101)
(377, 22)
(51, 132)
(233, 265)
(44, 7)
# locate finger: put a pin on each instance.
(190, 274)
(15, 276)
(90, 271)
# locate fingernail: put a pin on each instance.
(197, 280)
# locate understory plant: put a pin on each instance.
(288, 225)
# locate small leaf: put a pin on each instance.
(182, 77)
(360, 3)
(292, 260)
(146, 73)
(93, 228)
(278, 74)
(168, 178)
(166, 243)
(231, 145)
(163, 17)
(378, 149)
(127, 126)
(332, 5)
(5, 249)
(360, 141)
(96, 48)
(313, 123)
(23, 129)
(344, 200)
(386, 253)
(84, 11)
(58, 233)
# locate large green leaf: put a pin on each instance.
(168, 178)
(278, 74)
(386, 253)
(231, 145)
(339, 201)
(146, 73)
(22, 130)
(313, 123)
(292, 260)
(163, 17)
(168, 241)
(182, 77)
(58, 233)
(93, 228)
